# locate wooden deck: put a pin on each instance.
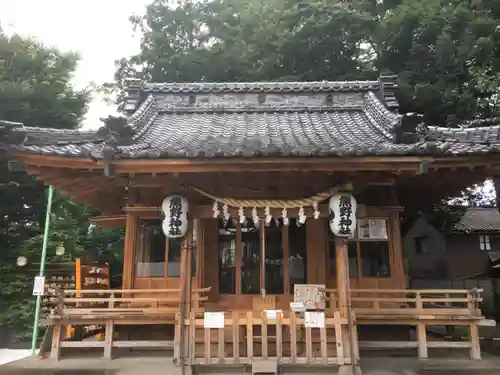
(252, 337)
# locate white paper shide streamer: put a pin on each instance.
(255, 217)
(316, 210)
(216, 210)
(225, 212)
(302, 215)
(241, 214)
(284, 216)
(268, 217)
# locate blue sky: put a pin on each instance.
(98, 29)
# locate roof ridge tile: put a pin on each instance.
(255, 87)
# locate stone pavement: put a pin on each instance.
(11, 355)
(164, 366)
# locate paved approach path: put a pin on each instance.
(11, 355)
(164, 366)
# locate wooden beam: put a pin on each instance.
(226, 164)
(393, 163)
(109, 221)
(290, 165)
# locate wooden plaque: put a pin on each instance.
(311, 295)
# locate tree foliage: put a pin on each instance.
(446, 53)
(69, 227)
(35, 89)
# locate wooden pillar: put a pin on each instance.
(238, 259)
(185, 294)
(131, 227)
(496, 184)
(189, 277)
(210, 258)
(343, 292)
(198, 245)
(396, 251)
(316, 238)
(56, 342)
(342, 275)
(286, 262)
(262, 229)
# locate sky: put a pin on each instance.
(97, 29)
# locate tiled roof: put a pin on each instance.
(187, 120)
(479, 220)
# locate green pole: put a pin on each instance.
(42, 268)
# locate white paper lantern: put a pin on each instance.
(22, 261)
(60, 250)
(342, 215)
(175, 208)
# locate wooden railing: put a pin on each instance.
(253, 338)
(88, 303)
(108, 308)
(418, 308)
(406, 301)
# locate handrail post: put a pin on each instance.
(418, 301)
(111, 302)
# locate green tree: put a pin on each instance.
(35, 89)
(446, 53)
(70, 228)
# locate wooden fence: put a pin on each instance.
(253, 338)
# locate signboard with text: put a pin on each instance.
(213, 320)
(312, 296)
(39, 286)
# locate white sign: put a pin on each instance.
(39, 286)
(342, 216)
(297, 306)
(315, 319)
(372, 229)
(214, 320)
(272, 314)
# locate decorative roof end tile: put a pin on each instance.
(11, 134)
(408, 129)
(133, 89)
(116, 132)
(387, 91)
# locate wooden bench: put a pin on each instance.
(420, 308)
(116, 307)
